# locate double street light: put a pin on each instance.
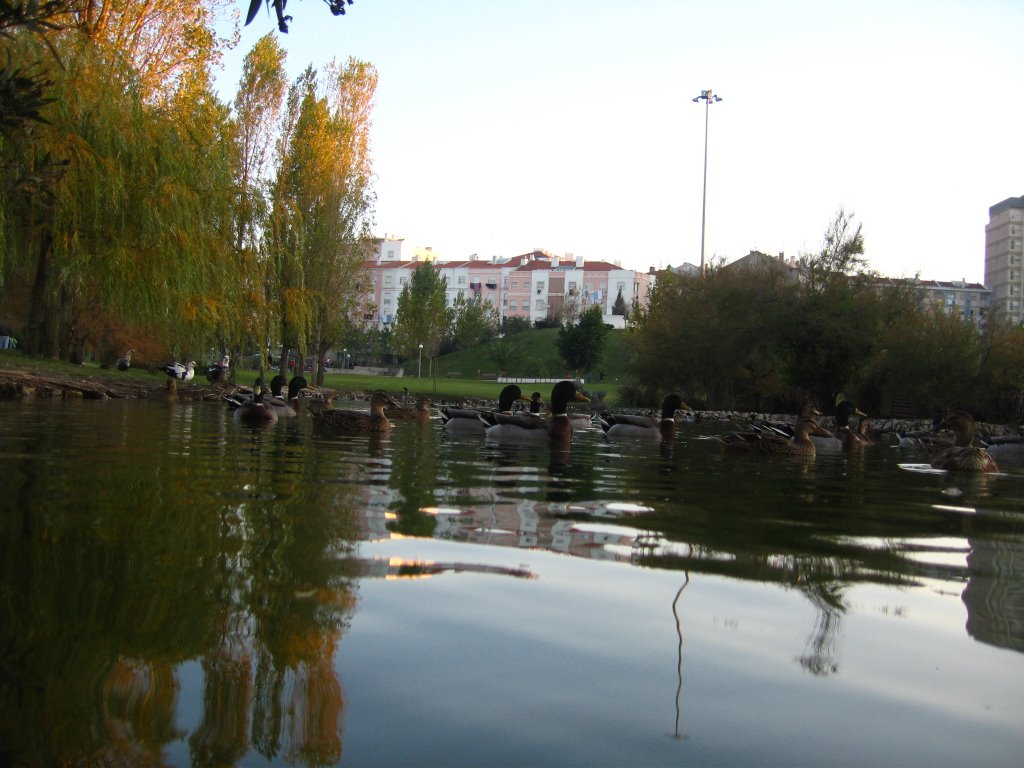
(708, 98)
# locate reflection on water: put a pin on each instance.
(142, 540)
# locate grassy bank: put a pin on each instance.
(531, 353)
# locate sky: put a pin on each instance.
(500, 127)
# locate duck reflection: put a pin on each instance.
(821, 656)
(993, 597)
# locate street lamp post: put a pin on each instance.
(707, 97)
(419, 364)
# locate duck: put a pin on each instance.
(579, 420)
(255, 410)
(536, 401)
(179, 371)
(858, 437)
(466, 421)
(524, 427)
(347, 420)
(843, 437)
(1006, 448)
(785, 428)
(218, 373)
(926, 439)
(645, 427)
(124, 363)
(767, 443)
(419, 412)
(291, 406)
(963, 456)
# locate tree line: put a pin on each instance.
(769, 339)
(138, 209)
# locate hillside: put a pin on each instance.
(533, 353)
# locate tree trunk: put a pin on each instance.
(40, 328)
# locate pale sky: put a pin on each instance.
(500, 127)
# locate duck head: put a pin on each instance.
(671, 404)
(562, 393)
(962, 425)
(509, 395)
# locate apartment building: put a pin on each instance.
(1004, 250)
(532, 285)
(970, 301)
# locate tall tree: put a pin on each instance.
(582, 345)
(323, 204)
(257, 112)
(619, 307)
(422, 317)
(473, 322)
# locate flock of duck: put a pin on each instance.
(953, 443)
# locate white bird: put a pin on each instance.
(179, 371)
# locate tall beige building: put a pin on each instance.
(1004, 257)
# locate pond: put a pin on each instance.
(178, 589)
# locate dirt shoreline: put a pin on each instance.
(21, 385)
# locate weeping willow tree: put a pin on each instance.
(136, 225)
(322, 205)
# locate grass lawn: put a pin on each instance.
(533, 355)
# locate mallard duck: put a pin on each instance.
(524, 427)
(291, 406)
(772, 444)
(924, 439)
(255, 410)
(418, 412)
(218, 373)
(466, 421)
(347, 420)
(179, 371)
(124, 363)
(578, 420)
(536, 401)
(964, 456)
(786, 428)
(857, 437)
(1009, 448)
(843, 437)
(645, 427)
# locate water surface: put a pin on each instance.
(178, 589)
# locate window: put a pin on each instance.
(527, 286)
(514, 285)
(401, 280)
(512, 306)
(389, 281)
(387, 301)
(462, 279)
(391, 254)
(540, 305)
